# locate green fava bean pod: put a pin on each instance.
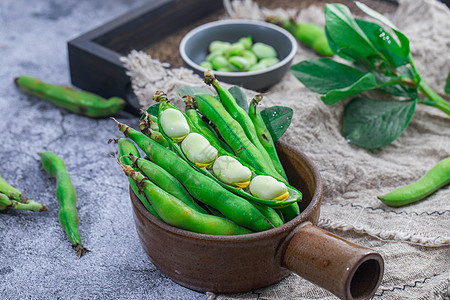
(293, 210)
(5, 202)
(202, 126)
(264, 135)
(434, 179)
(294, 195)
(80, 102)
(234, 135)
(176, 213)
(67, 198)
(246, 124)
(271, 214)
(125, 148)
(310, 34)
(14, 194)
(165, 181)
(205, 189)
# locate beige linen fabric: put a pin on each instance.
(414, 240)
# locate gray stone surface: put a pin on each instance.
(36, 258)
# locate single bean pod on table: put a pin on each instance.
(76, 101)
(67, 198)
(436, 178)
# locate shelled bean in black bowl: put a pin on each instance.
(194, 49)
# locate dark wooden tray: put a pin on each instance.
(94, 56)
(157, 28)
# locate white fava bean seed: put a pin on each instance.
(231, 171)
(198, 149)
(268, 188)
(174, 124)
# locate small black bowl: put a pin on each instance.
(194, 49)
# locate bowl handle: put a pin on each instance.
(346, 269)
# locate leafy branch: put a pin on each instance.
(377, 63)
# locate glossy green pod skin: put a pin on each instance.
(293, 210)
(294, 194)
(264, 135)
(76, 101)
(204, 128)
(243, 119)
(67, 198)
(434, 179)
(176, 213)
(126, 147)
(233, 134)
(203, 188)
(165, 180)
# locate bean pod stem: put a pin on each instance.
(67, 198)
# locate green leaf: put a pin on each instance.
(336, 80)
(447, 84)
(371, 124)
(324, 74)
(239, 96)
(404, 42)
(152, 110)
(384, 43)
(344, 35)
(277, 120)
(374, 14)
(192, 91)
(365, 83)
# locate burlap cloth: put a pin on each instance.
(414, 240)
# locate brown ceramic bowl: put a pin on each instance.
(232, 264)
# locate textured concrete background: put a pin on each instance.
(36, 258)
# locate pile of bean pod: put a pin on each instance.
(241, 56)
(212, 169)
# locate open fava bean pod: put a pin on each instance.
(211, 151)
